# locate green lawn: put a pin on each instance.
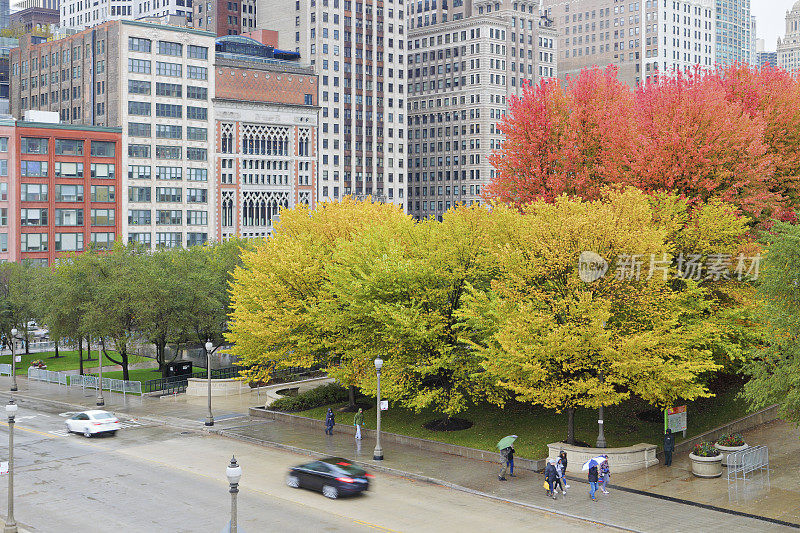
(142, 374)
(537, 427)
(67, 360)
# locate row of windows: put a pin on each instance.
(39, 145)
(64, 242)
(137, 44)
(66, 217)
(167, 110)
(163, 68)
(167, 194)
(144, 217)
(167, 89)
(171, 239)
(167, 131)
(144, 172)
(37, 192)
(167, 152)
(39, 169)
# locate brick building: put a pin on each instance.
(266, 136)
(225, 17)
(59, 188)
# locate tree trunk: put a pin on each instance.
(571, 425)
(124, 354)
(56, 356)
(351, 397)
(89, 348)
(80, 355)
(27, 345)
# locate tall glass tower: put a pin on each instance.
(735, 32)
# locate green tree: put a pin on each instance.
(775, 369)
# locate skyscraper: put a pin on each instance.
(358, 49)
(789, 46)
(643, 38)
(735, 32)
(463, 63)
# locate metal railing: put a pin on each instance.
(5, 369)
(109, 384)
(177, 384)
(49, 376)
(748, 461)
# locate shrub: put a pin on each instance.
(316, 397)
(705, 449)
(732, 439)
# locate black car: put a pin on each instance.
(333, 476)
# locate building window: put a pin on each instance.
(138, 87)
(103, 148)
(33, 192)
(139, 150)
(138, 129)
(169, 217)
(168, 239)
(136, 44)
(168, 152)
(196, 239)
(169, 110)
(69, 170)
(196, 134)
(33, 168)
(169, 69)
(69, 242)
(168, 48)
(196, 93)
(197, 52)
(196, 73)
(309, 99)
(197, 195)
(196, 113)
(139, 66)
(197, 218)
(104, 170)
(169, 173)
(138, 172)
(69, 146)
(33, 145)
(102, 241)
(168, 194)
(140, 238)
(169, 89)
(69, 217)
(139, 217)
(33, 242)
(103, 217)
(197, 174)
(139, 194)
(3, 144)
(102, 193)
(196, 154)
(166, 131)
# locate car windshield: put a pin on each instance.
(347, 467)
(101, 416)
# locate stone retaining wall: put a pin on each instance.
(620, 459)
(422, 444)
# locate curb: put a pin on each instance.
(416, 477)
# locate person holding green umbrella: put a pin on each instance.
(506, 447)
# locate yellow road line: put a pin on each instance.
(31, 430)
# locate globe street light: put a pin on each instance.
(210, 417)
(11, 524)
(234, 473)
(13, 359)
(377, 455)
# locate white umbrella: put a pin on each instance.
(593, 462)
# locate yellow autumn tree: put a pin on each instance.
(575, 318)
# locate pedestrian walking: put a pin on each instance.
(669, 447)
(605, 475)
(358, 421)
(550, 476)
(593, 476)
(507, 455)
(561, 465)
(329, 422)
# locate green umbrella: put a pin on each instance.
(505, 442)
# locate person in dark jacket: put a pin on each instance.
(329, 422)
(593, 481)
(551, 475)
(507, 455)
(669, 447)
(561, 466)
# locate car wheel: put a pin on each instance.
(330, 492)
(293, 481)
(112, 433)
(68, 429)
(87, 433)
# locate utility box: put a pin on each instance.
(183, 368)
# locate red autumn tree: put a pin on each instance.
(558, 138)
(687, 134)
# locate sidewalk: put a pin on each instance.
(622, 509)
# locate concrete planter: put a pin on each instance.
(706, 466)
(725, 451)
(624, 459)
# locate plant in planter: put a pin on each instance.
(706, 460)
(729, 443)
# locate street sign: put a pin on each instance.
(384, 405)
(18, 358)
(676, 419)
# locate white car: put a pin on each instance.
(93, 422)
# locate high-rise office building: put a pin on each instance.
(464, 60)
(735, 32)
(46, 4)
(154, 81)
(763, 57)
(789, 46)
(358, 49)
(643, 38)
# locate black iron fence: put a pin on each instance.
(177, 384)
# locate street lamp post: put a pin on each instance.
(210, 417)
(13, 359)
(11, 524)
(234, 473)
(377, 455)
(601, 438)
(100, 400)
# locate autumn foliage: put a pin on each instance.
(732, 134)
